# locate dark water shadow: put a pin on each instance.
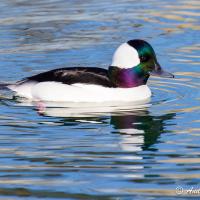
(123, 120)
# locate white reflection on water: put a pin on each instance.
(71, 109)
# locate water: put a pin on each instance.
(100, 152)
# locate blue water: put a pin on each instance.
(93, 151)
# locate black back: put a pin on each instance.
(87, 75)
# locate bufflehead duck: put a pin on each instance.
(125, 80)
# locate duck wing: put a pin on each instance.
(85, 75)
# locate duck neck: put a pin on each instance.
(127, 78)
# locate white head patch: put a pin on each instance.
(125, 57)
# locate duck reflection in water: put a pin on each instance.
(139, 129)
(142, 128)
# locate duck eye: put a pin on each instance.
(144, 58)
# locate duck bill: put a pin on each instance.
(158, 71)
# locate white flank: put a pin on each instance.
(58, 92)
(24, 89)
(125, 57)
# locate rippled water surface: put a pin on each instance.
(100, 151)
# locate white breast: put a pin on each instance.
(54, 91)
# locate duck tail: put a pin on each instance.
(4, 86)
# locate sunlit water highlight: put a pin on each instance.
(100, 151)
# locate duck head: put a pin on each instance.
(133, 62)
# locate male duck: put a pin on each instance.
(125, 80)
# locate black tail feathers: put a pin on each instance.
(4, 86)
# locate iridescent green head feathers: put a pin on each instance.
(133, 62)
